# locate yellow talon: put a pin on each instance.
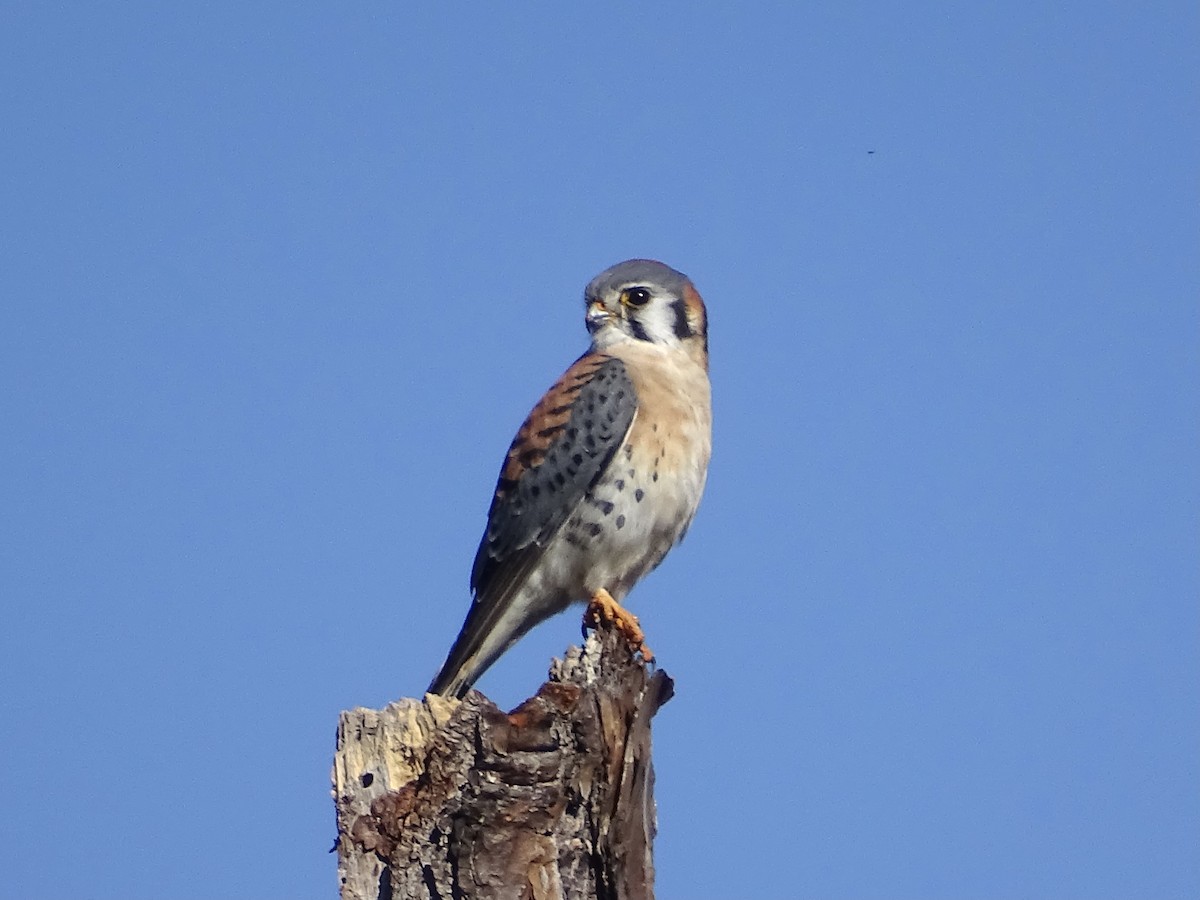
(603, 608)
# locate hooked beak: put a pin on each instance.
(597, 315)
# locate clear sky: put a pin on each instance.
(278, 282)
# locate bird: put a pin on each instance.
(603, 477)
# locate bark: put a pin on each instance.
(438, 798)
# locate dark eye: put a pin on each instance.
(637, 296)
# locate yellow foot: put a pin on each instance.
(604, 608)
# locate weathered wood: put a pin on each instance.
(439, 798)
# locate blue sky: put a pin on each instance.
(279, 281)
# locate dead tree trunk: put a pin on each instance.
(444, 799)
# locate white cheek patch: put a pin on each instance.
(656, 322)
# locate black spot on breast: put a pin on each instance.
(620, 520)
(593, 528)
(638, 495)
(620, 484)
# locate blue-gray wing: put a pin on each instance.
(557, 456)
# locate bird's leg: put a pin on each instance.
(603, 608)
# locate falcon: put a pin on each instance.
(604, 476)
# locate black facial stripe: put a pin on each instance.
(682, 328)
(638, 330)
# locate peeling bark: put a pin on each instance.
(439, 798)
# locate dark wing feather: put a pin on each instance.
(556, 457)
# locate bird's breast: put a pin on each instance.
(646, 496)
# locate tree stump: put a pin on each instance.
(441, 798)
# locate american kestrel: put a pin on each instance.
(603, 477)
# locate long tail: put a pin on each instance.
(486, 634)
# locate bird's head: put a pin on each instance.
(644, 300)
